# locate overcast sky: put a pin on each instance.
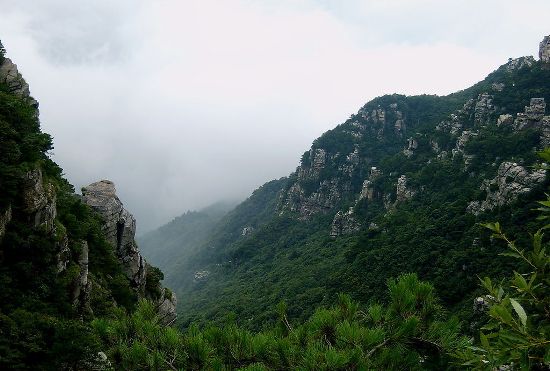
(183, 103)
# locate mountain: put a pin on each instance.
(401, 186)
(173, 242)
(65, 260)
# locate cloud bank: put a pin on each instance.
(184, 103)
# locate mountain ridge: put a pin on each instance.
(367, 182)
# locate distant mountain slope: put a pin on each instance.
(399, 187)
(171, 243)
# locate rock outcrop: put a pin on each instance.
(402, 192)
(511, 181)
(544, 50)
(119, 228)
(5, 218)
(344, 223)
(10, 76)
(83, 285)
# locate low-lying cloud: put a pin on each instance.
(183, 103)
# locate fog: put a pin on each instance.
(184, 103)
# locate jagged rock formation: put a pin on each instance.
(544, 50)
(119, 228)
(402, 192)
(344, 223)
(511, 181)
(83, 285)
(519, 63)
(39, 201)
(17, 85)
(367, 190)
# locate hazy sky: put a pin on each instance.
(182, 103)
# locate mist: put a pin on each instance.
(185, 103)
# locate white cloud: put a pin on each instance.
(182, 103)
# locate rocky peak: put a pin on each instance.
(544, 50)
(10, 76)
(119, 228)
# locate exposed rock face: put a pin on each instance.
(368, 190)
(119, 228)
(324, 198)
(532, 114)
(544, 50)
(344, 223)
(64, 254)
(39, 201)
(412, 145)
(505, 120)
(484, 108)
(10, 76)
(247, 231)
(511, 181)
(83, 285)
(166, 308)
(519, 63)
(402, 192)
(5, 218)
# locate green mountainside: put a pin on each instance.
(399, 187)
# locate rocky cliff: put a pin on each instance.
(119, 228)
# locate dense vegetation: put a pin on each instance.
(269, 292)
(290, 258)
(40, 325)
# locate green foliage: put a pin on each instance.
(406, 333)
(517, 333)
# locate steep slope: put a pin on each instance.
(61, 263)
(171, 244)
(399, 187)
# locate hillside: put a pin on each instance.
(65, 259)
(398, 187)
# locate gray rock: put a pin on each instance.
(402, 192)
(483, 108)
(82, 286)
(511, 181)
(119, 228)
(532, 115)
(412, 145)
(544, 50)
(10, 76)
(505, 120)
(39, 201)
(344, 223)
(63, 255)
(519, 63)
(247, 231)
(5, 218)
(166, 308)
